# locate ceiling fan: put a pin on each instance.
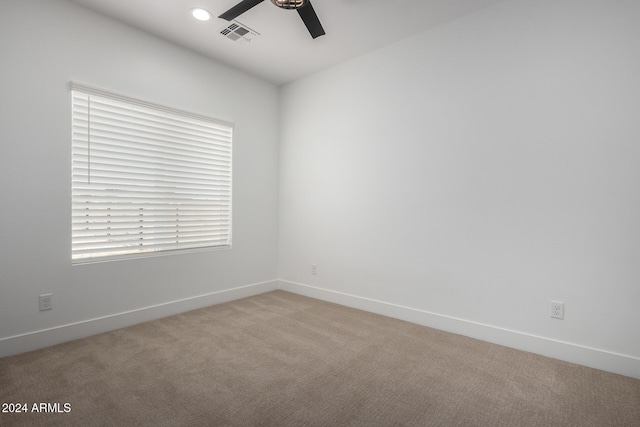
(304, 8)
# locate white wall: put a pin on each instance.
(475, 172)
(44, 44)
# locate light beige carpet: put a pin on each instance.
(280, 359)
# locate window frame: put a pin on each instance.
(203, 193)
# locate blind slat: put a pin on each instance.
(119, 239)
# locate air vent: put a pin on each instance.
(239, 32)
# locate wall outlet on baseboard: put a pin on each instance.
(557, 310)
(45, 302)
(314, 269)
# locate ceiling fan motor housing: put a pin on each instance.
(289, 4)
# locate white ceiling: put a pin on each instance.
(284, 51)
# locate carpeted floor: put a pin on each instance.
(280, 359)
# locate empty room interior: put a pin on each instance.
(427, 212)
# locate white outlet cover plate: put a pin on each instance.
(45, 302)
(557, 310)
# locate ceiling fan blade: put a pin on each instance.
(310, 19)
(239, 9)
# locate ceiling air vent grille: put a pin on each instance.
(239, 32)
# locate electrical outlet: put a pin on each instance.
(557, 310)
(45, 302)
(314, 269)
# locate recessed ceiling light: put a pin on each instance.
(201, 14)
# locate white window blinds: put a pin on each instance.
(146, 178)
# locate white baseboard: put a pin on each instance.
(59, 334)
(592, 357)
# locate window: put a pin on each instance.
(146, 178)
